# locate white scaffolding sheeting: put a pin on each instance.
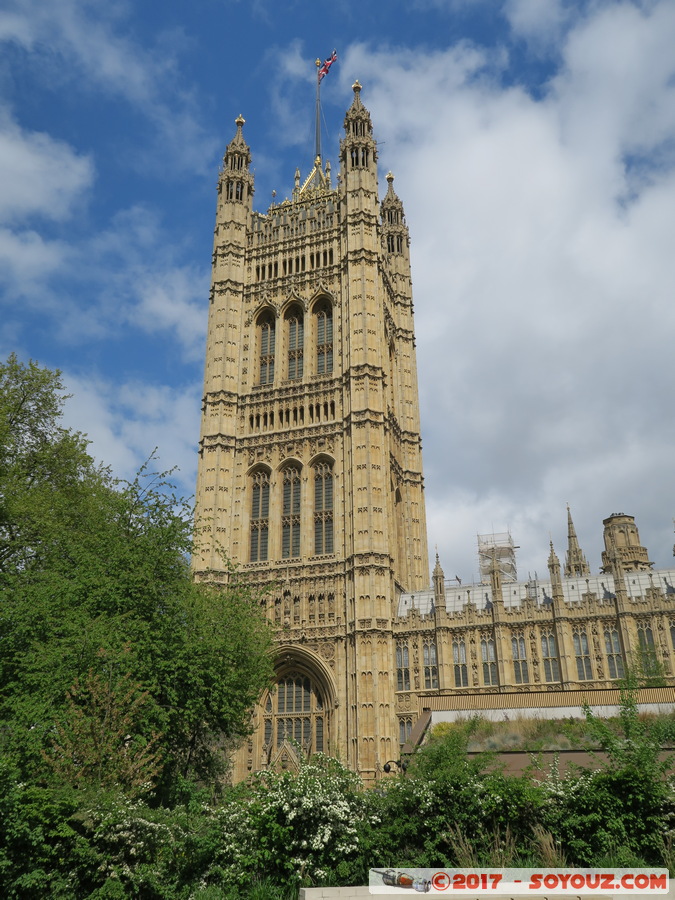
(500, 548)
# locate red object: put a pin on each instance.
(323, 71)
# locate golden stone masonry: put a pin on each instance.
(310, 480)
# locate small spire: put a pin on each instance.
(438, 578)
(356, 102)
(238, 139)
(575, 561)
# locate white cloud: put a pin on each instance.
(138, 284)
(26, 259)
(126, 422)
(40, 175)
(543, 272)
(99, 55)
(42, 180)
(539, 23)
(172, 301)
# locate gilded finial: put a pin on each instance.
(356, 87)
(239, 121)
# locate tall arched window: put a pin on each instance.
(324, 337)
(402, 668)
(613, 651)
(323, 508)
(296, 712)
(582, 654)
(290, 520)
(430, 665)
(487, 647)
(260, 511)
(519, 659)
(459, 660)
(266, 326)
(296, 340)
(549, 655)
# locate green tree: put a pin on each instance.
(95, 578)
(615, 814)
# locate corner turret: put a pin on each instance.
(236, 181)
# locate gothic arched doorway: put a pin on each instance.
(296, 712)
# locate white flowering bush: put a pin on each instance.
(302, 828)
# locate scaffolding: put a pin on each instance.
(500, 548)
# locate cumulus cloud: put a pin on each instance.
(543, 269)
(43, 180)
(140, 285)
(539, 23)
(40, 175)
(100, 55)
(126, 421)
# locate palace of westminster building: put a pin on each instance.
(310, 482)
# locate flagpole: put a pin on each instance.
(317, 154)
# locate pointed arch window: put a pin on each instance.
(296, 340)
(402, 668)
(648, 661)
(582, 654)
(290, 520)
(323, 508)
(459, 660)
(430, 665)
(324, 337)
(487, 646)
(266, 329)
(519, 654)
(404, 729)
(614, 655)
(549, 655)
(296, 712)
(260, 511)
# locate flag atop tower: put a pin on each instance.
(323, 71)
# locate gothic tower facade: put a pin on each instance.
(310, 469)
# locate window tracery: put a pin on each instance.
(296, 712)
(260, 511)
(290, 520)
(266, 329)
(323, 508)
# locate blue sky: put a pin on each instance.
(533, 145)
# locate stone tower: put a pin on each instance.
(310, 469)
(621, 533)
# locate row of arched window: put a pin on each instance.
(235, 190)
(291, 517)
(294, 334)
(293, 415)
(359, 157)
(291, 265)
(550, 659)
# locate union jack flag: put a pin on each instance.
(323, 71)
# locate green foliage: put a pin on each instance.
(615, 814)
(447, 800)
(124, 684)
(292, 829)
(95, 585)
(98, 741)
